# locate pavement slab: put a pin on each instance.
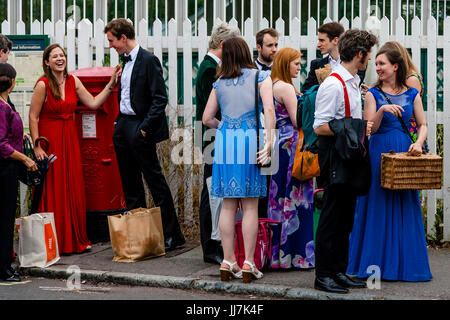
(184, 269)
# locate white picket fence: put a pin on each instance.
(91, 40)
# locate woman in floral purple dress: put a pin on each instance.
(290, 200)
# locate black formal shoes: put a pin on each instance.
(212, 258)
(171, 244)
(14, 271)
(328, 284)
(347, 282)
(10, 276)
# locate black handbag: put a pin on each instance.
(32, 178)
(259, 165)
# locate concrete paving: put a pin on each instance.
(184, 269)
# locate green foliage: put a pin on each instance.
(437, 236)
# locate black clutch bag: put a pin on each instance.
(31, 178)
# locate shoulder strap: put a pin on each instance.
(399, 118)
(346, 99)
(257, 109)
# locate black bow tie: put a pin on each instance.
(263, 66)
(125, 59)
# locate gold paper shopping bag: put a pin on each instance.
(136, 236)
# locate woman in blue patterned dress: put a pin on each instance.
(388, 230)
(290, 200)
(235, 174)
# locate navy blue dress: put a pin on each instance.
(388, 228)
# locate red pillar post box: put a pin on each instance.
(95, 128)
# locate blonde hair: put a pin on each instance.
(222, 32)
(281, 64)
(410, 66)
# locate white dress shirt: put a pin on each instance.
(259, 64)
(216, 59)
(334, 63)
(125, 101)
(330, 98)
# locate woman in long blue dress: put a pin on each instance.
(290, 200)
(388, 230)
(235, 175)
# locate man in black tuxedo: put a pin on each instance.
(327, 43)
(140, 125)
(267, 46)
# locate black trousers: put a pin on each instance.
(8, 201)
(333, 231)
(209, 246)
(264, 202)
(136, 156)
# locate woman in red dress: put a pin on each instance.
(52, 112)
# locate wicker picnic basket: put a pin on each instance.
(400, 171)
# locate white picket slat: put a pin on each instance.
(357, 24)
(173, 71)
(99, 42)
(248, 34)
(233, 22)
(311, 45)
(60, 31)
(174, 183)
(36, 27)
(400, 29)
(157, 39)
(6, 27)
(202, 40)
(431, 112)
(344, 21)
(71, 50)
(415, 45)
(264, 23)
(446, 123)
(295, 43)
(49, 28)
(142, 37)
(187, 138)
(280, 27)
(84, 47)
(20, 27)
(384, 30)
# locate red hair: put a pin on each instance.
(281, 64)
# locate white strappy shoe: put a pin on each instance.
(227, 273)
(253, 273)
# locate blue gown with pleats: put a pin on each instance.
(388, 229)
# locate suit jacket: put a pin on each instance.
(206, 76)
(318, 63)
(354, 171)
(148, 96)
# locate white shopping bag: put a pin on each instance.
(38, 245)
